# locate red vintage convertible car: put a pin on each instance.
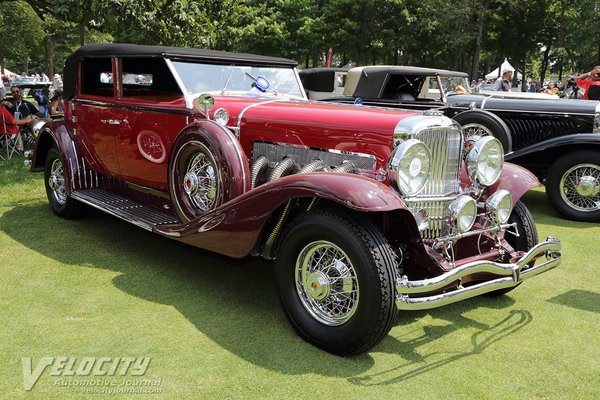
(366, 211)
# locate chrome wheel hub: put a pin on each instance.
(326, 283)
(580, 187)
(587, 186)
(201, 182)
(190, 183)
(56, 182)
(317, 285)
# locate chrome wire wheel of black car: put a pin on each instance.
(335, 273)
(478, 123)
(56, 190)
(573, 185)
(526, 239)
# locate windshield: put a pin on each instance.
(227, 79)
(454, 84)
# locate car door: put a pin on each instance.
(93, 114)
(151, 112)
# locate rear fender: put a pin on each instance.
(56, 133)
(234, 228)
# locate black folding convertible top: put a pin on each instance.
(179, 53)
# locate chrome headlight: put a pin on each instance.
(485, 160)
(500, 206)
(463, 212)
(221, 116)
(408, 167)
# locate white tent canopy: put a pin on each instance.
(7, 72)
(498, 71)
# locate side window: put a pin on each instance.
(96, 76)
(148, 79)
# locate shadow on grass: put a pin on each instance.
(539, 205)
(579, 299)
(233, 302)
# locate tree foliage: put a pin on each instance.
(470, 35)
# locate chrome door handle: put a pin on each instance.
(111, 121)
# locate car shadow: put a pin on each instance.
(538, 204)
(235, 302)
(579, 299)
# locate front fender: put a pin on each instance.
(517, 180)
(243, 217)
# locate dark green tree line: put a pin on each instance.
(537, 36)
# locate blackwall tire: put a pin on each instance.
(60, 202)
(481, 123)
(528, 237)
(573, 186)
(335, 274)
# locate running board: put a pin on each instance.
(124, 208)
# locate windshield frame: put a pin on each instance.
(190, 95)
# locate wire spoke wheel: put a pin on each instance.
(580, 187)
(326, 283)
(56, 182)
(200, 181)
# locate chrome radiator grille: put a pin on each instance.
(446, 147)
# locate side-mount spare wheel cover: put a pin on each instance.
(207, 168)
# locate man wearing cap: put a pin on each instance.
(503, 83)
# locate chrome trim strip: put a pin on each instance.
(510, 275)
(299, 82)
(131, 106)
(484, 101)
(78, 169)
(240, 154)
(241, 114)
(188, 99)
(117, 80)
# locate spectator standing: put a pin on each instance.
(57, 104)
(503, 83)
(590, 81)
(45, 77)
(56, 83)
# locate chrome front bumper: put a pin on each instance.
(509, 275)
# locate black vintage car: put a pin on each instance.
(557, 139)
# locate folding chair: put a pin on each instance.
(9, 140)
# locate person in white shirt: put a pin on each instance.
(503, 83)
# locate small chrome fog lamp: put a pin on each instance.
(463, 212)
(221, 116)
(485, 161)
(499, 205)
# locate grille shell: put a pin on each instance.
(446, 146)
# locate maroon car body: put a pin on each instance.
(366, 211)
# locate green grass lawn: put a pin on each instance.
(213, 326)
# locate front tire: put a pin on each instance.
(335, 274)
(483, 123)
(573, 185)
(54, 180)
(528, 237)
